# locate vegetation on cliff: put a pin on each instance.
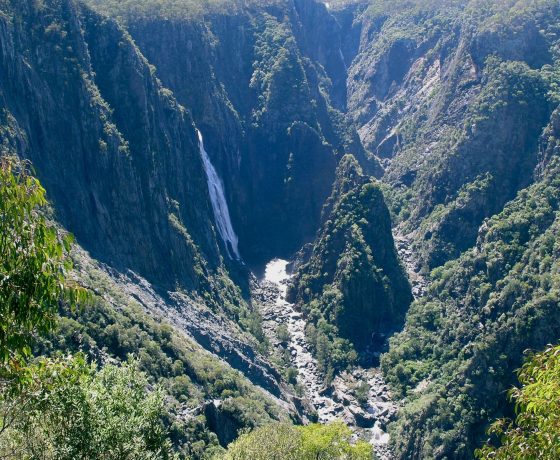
(480, 313)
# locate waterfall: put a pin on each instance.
(219, 203)
(342, 59)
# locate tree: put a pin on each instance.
(59, 408)
(72, 411)
(361, 392)
(283, 334)
(282, 441)
(32, 265)
(332, 441)
(535, 432)
(277, 441)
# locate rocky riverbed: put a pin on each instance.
(337, 401)
(406, 255)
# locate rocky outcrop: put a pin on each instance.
(353, 276)
(321, 38)
(225, 427)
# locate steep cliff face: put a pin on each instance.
(117, 154)
(494, 157)
(322, 38)
(264, 85)
(452, 97)
(352, 277)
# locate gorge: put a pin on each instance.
(367, 232)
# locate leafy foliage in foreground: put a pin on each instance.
(286, 442)
(33, 264)
(58, 408)
(70, 410)
(535, 432)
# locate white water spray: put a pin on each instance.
(219, 203)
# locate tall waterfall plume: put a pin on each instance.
(219, 203)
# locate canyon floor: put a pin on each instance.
(336, 401)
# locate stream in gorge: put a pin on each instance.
(336, 401)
